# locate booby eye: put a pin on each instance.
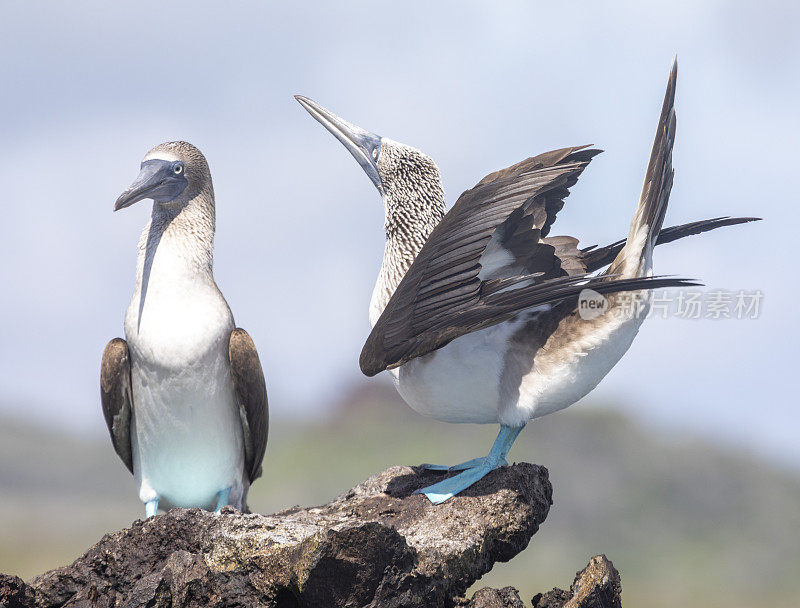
(375, 153)
(177, 169)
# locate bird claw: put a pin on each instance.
(151, 508)
(222, 499)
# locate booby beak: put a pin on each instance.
(160, 180)
(363, 145)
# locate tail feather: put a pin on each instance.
(636, 255)
(594, 258)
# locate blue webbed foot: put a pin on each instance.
(433, 467)
(446, 489)
(222, 499)
(151, 507)
(479, 462)
(463, 466)
(472, 470)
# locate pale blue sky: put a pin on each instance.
(88, 88)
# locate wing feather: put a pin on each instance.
(595, 258)
(251, 394)
(116, 397)
(443, 296)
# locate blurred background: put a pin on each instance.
(683, 466)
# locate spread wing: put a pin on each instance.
(514, 245)
(117, 398)
(485, 262)
(251, 394)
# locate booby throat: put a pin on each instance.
(474, 312)
(183, 395)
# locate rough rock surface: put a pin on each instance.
(377, 545)
(14, 593)
(596, 586)
(507, 597)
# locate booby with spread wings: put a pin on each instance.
(475, 311)
(183, 395)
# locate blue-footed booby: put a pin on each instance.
(474, 312)
(183, 395)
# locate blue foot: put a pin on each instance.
(469, 464)
(433, 467)
(445, 490)
(151, 507)
(222, 499)
(478, 462)
(473, 470)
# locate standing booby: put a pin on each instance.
(457, 309)
(184, 395)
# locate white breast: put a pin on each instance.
(187, 436)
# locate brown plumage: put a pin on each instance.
(116, 397)
(251, 394)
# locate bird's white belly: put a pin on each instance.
(187, 436)
(464, 381)
(458, 382)
(186, 429)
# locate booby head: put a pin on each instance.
(171, 174)
(407, 178)
(363, 145)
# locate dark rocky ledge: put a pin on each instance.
(376, 545)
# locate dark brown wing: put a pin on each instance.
(251, 394)
(538, 212)
(442, 295)
(117, 398)
(595, 258)
(520, 234)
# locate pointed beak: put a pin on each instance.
(156, 180)
(363, 145)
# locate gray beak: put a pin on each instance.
(363, 145)
(157, 180)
